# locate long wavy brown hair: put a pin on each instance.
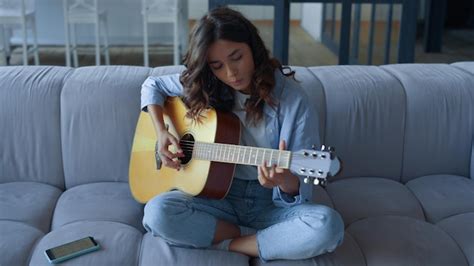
(203, 89)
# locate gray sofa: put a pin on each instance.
(404, 134)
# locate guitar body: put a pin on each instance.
(197, 177)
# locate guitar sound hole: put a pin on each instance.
(187, 145)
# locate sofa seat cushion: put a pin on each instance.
(29, 202)
(443, 195)
(155, 251)
(321, 196)
(363, 197)
(120, 243)
(461, 229)
(396, 240)
(348, 253)
(16, 242)
(106, 201)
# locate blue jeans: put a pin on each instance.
(297, 232)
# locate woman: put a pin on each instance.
(267, 212)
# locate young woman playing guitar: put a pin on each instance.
(267, 212)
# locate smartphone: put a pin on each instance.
(71, 250)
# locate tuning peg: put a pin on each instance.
(323, 182)
(314, 147)
(306, 180)
(316, 182)
(327, 148)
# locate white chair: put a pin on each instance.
(85, 12)
(166, 11)
(18, 13)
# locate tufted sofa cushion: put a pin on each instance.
(442, 196)
(105, 201)
(98, 118)
(395, 240)
(364, 197)
(460, 228)
(120, 243)
(28, 202)
(155, 251)
(17, 242)
(29, 119)
(439, 97)
(364, 119)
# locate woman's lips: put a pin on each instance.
(237, 82)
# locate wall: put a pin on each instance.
(311, 19)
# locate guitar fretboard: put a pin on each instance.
(236, 154)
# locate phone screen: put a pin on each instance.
(71, 247)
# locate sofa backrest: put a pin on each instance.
(30, 139)
(439, 124)
(67, 127)
(399, 121)
(99, 112)
(364, 119)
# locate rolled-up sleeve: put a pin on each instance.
(155, 90)
(281, 199)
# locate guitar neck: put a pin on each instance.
(245, 155)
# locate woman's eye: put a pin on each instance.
(216, 67)
(237, 58)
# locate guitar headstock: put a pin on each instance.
(316, 165)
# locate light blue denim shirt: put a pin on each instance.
(294, 119)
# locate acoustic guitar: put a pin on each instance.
(211, 153)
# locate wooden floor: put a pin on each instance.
(303, 50)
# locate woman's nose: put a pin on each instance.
(231, 71)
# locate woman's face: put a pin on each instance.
(232, 63)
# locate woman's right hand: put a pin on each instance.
(165, 139)
(167, 157)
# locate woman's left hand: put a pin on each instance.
(273, 176)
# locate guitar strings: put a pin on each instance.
(189, 146)
(284, 156)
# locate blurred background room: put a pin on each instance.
(154, 32)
